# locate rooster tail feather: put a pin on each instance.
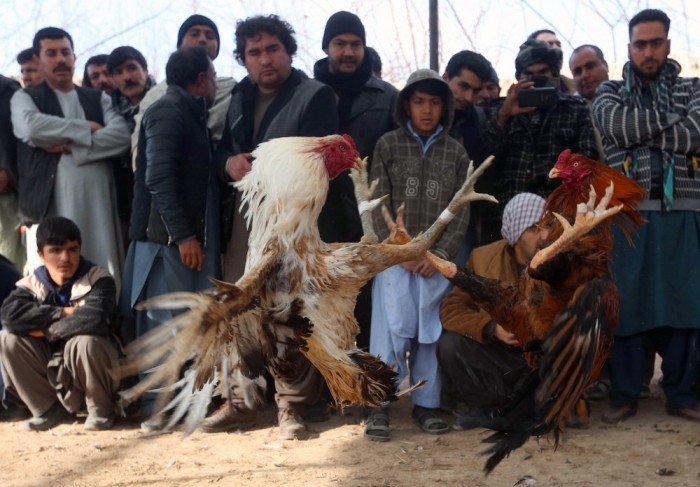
(353, 376)
(574, 351)
(503, 444)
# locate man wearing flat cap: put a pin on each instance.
(365, 110)
(527, 140)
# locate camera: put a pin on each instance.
(538, 97)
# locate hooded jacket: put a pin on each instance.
(422, 174)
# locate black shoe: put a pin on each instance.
(318, 413)
(14, 413)
(469, 419)
(692, 414)
(619, 414)
(56, 415)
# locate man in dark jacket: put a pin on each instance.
(57, 347)
(527, 140)
(176, 190)
(276, 100)
(176, 198)
(365, 111)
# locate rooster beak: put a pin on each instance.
(554, 173)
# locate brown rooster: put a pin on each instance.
(297, 294)
(565, 306)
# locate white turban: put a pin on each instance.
(521, 212)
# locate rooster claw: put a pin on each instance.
(588, 216)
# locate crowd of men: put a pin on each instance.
(122, 188)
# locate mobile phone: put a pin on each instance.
(538, 97)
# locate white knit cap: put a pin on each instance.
(521, 212)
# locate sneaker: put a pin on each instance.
(229, 417)
(619, 414)
(98, 423)
(291, 424)
(56, 414)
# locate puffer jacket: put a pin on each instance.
(172, 170)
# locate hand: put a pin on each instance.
(94, 126)
(7, 183)
(68, 310)
(511, 106)
(60, 149)
(36, 334)
(424, 268)
(239, 165)
(505, 336)
(191, 254)
(410, 266)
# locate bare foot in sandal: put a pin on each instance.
(377, 425)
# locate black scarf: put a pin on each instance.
(346, 85)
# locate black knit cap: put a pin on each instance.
(197, 19)
(532, 52)
(343, 23)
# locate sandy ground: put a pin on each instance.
(336, 454)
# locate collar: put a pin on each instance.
(424, 145)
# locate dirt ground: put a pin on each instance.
(633, 453)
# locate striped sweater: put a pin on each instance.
(629, 133)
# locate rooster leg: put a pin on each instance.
(588, 215)
(363, 193)
(397, 229)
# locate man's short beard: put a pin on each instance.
(645, 76)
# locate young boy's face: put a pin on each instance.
(61, 261)
(425, 112)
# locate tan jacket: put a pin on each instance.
(458, 312)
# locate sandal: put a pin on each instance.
(428, 421)
(377, 425)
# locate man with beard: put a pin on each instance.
(196, 31)
(481, 363)
(66, 136)
(365, 111)
(96, 74)
(650, 123)
(275, 100)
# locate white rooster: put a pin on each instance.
(298, 293)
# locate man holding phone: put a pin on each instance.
(535, 123)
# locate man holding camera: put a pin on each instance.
(535, 123)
